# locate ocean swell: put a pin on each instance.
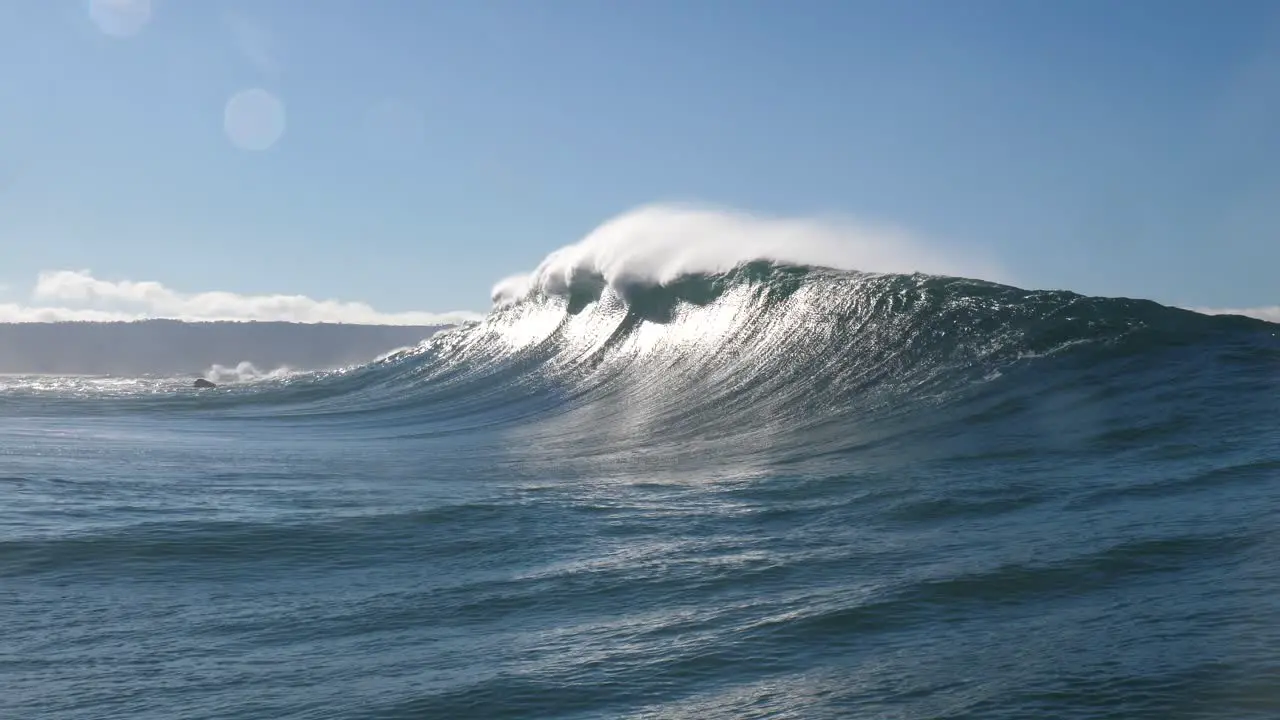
(762, 345)
(678, 333)
(787, 349)
(778, 364)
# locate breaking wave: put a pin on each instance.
(697, 344)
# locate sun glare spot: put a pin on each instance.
(120, 18)
(254, 119)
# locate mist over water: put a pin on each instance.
(729, 483)
(657, 244)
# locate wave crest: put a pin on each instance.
(656, 244)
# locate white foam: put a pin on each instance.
(395, 353)
(243, 372)
(658, 243)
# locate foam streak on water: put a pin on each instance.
(770, 490)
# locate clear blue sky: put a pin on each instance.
(1127, 148)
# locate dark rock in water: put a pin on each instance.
(202, 383)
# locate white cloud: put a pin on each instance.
(1270, 314)
(66, 295)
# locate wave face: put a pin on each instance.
(772, 490)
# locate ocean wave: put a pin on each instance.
(764, 359)
(724, 332)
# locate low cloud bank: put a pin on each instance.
(76, 295)
(1270, 314)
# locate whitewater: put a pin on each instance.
(697, 464)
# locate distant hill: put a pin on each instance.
(171, 347)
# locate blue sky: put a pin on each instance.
(430, 149)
